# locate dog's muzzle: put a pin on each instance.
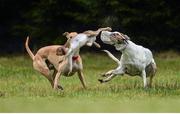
(105, 37)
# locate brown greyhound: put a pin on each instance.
(52, 58)
(49, 57)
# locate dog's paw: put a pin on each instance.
(103, 75)
(100, 80)
(60, 87)
(109, 29)
(106, 74)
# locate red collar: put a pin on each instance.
(74, 58)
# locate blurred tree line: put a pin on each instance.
(151, 23)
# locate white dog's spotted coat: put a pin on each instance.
(135, 59)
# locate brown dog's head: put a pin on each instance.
(62, 50)
(70, 35)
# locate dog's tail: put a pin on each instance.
(28, 49)
(112, 56)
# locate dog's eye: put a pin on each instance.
(114, 34)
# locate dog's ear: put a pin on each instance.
(125, 36)
(60, 51)
(70, 35)
(65, 33)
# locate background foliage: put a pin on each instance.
(152, 23)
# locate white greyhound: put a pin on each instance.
(74, 45)
(86, 38)
(135, 59)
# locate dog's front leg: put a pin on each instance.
(107, 73)
(70, 64)
(81, 77)
(111, 74)
(107, 79)
(58, 74)
(144, 78)
(53, 76)
(118, 71)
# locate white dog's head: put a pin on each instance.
(113, 38)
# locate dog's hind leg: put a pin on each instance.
(54, 74)
(154, 70)
(144, 78)
(151, 71)
(150, 81)
(46, 73)
(49, 65)
(41, 66)
(81, 77)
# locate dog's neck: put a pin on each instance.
(129, 49)
(76, 53)
(121, 47)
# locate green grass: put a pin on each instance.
(22, 89)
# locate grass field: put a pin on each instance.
(22, 89)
